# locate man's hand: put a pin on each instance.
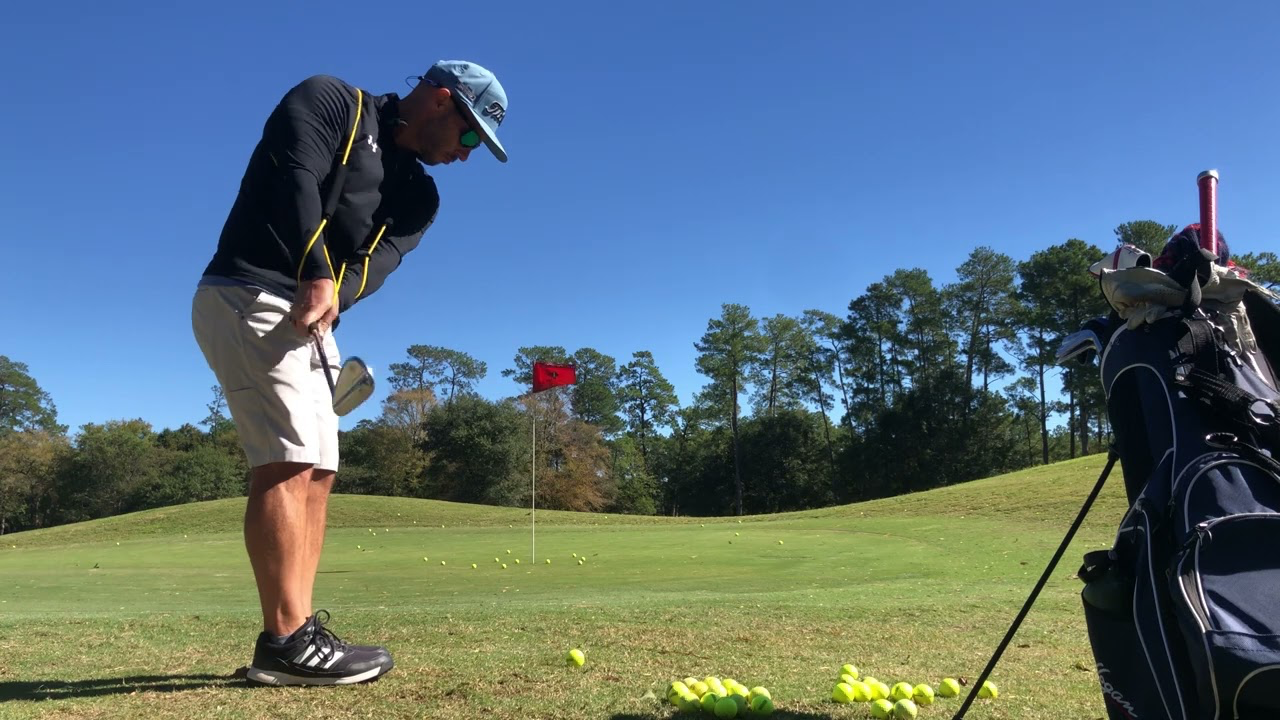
(314, 306)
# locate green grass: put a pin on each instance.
(148, 615)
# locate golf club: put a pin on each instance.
(1208, 184)
(1077, 343)
(354, 384)
(1092, 337)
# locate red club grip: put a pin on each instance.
(1208, 184)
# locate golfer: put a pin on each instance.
(333, 198)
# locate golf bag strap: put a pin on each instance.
(1228, 398)
(1199, 346)
(1199, 375)
(1198, 352)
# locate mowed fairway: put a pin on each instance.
(148, 615)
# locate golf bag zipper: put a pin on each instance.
(1201, 471)
(1189, 576)
(1205, 532)
(1194, 544)
(1192, 588)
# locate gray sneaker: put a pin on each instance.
(313, 655)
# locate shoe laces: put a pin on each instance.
(326, 642)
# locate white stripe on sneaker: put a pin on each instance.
(281, 678)
(337, 655)
(304, 655)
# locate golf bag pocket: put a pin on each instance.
(1130, 683)
(1226, 594)
(1220, 484)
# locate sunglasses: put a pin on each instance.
(469, 139)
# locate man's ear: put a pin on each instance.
(441, 97)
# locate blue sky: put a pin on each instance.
(665, 158)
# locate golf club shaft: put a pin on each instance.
(324, 360)
(1112, 456)
(1207, 181)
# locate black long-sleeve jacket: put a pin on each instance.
(387, 200)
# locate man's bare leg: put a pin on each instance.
(284, 533)
(317, 509)
(277, 536)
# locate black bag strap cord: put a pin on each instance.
(1199, 374)
(1112, 456)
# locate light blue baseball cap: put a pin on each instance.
(477, 92)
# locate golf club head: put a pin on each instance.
(353, 386)
(1077, 343)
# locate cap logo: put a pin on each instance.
(466, 90)
(495, 111)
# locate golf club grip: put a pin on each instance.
(1207, 182)
(324, 361)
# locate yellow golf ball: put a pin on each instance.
(842, 693)
(761, 705)
(881, 709)
(726, 708)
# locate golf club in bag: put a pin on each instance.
(355, 381)
(1182, 611)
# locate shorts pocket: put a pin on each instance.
(244, 404)
(264, 314)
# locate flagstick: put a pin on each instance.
(533, 495)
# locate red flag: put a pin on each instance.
(548, 375)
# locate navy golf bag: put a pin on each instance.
(1183, 612)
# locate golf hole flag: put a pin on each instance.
(545, 377)
(548, 375)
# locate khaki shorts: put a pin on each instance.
(272, 377)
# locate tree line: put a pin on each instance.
(911, 386)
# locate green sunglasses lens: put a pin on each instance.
(470, 139)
